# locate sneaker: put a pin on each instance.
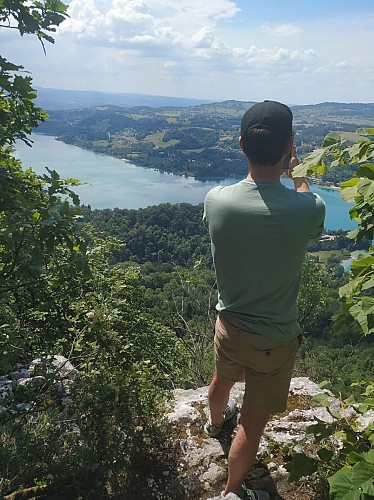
(213, 430)
(248, 494)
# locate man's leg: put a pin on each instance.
(218, 396)
(244, 447)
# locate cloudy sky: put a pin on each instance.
(298, 52)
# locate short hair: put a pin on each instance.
(262, 147)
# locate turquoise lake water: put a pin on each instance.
(115, 183)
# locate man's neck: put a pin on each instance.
(265, 173)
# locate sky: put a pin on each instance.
(297, 52)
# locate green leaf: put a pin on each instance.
(351, 484)
(301, 170)
(331, 139)
(362, 266)
(347, 289)
(325, 455)
(366, 170)
(300, 466)
(313, 163)
(324, 383)
(321, 399)
(368, 457)
(353, 151)
(349, 189)
(320, 430)
(367, 404)
(366, 188)
(359, 315)
(354, 457)
(316, 157)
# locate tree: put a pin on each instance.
(345, 457)
(37, 217)
(357, 295)
(18, 113)
(60, 294)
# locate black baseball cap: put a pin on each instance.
(270, 115)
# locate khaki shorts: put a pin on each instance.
(264, 364)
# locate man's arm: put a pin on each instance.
(300, 183)
(302, 186)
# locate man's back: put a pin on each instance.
(259, 233)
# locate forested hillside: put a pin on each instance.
(200, 141)
(172, 245)
(168, 233)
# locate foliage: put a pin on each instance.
(191, 138)
(184, 299)
(339, 241)
(345, 455)
(358, 303)
(18, 113)
(313, 298)
(345, 448)
(40, 243)
(36, 18)
(164, 233)
(35, 212)
(61, 294)
(113, 420)
(336, 360)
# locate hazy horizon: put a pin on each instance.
(207, 100)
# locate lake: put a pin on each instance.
(111, 182)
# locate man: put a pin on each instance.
(259, 232)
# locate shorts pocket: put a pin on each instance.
(268, 356)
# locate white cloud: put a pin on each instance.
(161, 36)
(260, 57)
(130, 21)
(203, 39)
(331, 68)
(203, 49)
(185, 31)
(280, 29)
(169, 64)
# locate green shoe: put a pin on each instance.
(213, 430)
(248, 494)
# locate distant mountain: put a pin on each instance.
(362, 113)
(59, 99)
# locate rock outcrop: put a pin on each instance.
(201, 470)
(203, 464)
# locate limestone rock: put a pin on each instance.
(22, 373)
(58, 364)
(16, 383)
(5, 387)
(203, 470)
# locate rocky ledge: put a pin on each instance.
(203, 461)
(201, 469)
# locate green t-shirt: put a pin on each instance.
(259, 233)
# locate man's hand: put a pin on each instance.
(294, 161)
(300, 183)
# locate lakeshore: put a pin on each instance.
(108, 182)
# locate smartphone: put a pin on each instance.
(286, 163)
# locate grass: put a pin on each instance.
(323, 255)
(156, 139)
